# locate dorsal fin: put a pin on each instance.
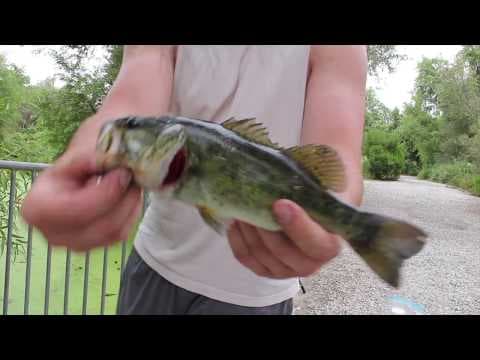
(251, 130)
(322, 162)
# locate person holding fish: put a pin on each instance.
(252, 156)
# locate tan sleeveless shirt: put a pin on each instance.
(215, 83)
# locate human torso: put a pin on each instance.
(215, 83)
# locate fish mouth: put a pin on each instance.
(176, 168)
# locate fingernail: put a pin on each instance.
(284, 213)
(125, 178)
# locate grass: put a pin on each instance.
(57, 279)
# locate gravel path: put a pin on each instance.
(444, 277)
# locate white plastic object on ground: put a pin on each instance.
(403, 306)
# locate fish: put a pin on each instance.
(232, 170)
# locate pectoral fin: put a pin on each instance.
(215, 222)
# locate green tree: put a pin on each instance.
(450, 92)
(382, 57)
(12, 93)
(419, 132)
(441, 126)
(471, 54)
(28, 139)
(377, 115)
(427, 83)
(395, 118)
(86, 82)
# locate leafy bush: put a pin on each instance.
(451, 173)
(28, 145)
(476, 185)
(366, 168)
(385, 154)
(383, 165)
(424, 173)
(461, 174)
(411, 167)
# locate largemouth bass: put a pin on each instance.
(233, 170)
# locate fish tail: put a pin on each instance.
(384, 243)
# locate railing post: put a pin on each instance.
(9, 240)
(67, 282)
(85, 283)
(104, 280)
(26, 303)
(47, 280)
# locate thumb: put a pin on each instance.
(305, 233)
(101, 194)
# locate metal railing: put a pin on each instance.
(33, 169)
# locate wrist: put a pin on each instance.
(86, 135)
(356, 194)
(354, 191)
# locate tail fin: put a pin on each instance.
(384, 243)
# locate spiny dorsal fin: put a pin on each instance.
(251, 130)
(323, 162)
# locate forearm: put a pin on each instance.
(334, 111)
(143, 87)
(343, 132)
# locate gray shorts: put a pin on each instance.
(144, 292)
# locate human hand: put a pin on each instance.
(73, 207)
(300, 250)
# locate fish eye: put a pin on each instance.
(128, 122)
(131, 123)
